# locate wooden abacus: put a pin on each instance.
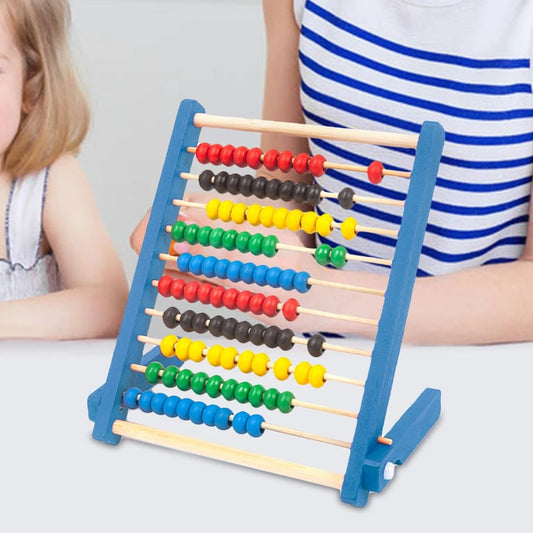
(132, 374)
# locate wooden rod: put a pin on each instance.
(305, 435)
(361, 168)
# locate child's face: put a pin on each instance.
(11, 85)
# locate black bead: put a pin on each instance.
(199, 322)
(285, 190)
(169, 317)
(245, 185)
(232, 183)
(285, 339)
(270, 338)
(186, 320)
(258, 187)
(312, 196)
(215, 325)
(228, 328)
(219, 183)
(242, 331)
(315, 345)
(256, 334)
(299, 192)
(206, 180)
(272, 189)
(345, 198)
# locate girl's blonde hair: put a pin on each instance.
(55, 116)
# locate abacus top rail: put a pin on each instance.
(402, 140)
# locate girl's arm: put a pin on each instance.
(95, 288)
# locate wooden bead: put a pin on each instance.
(167, 345)
(281, 368)
(375, 172)
(349, 228)
(245, 361)
(259, 364)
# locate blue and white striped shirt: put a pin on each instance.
(390, 65)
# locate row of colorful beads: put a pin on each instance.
(325, 255)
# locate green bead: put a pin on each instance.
(322, 253)
(228, 389)
(270, 398)
(198, 382)
(268, 247)
(255, 396)
(183, 381)
(284, 401)
(203, 235)
(241, 391)
(228, 239)
(255, 243)
(215, 237)
(152, 372)
(190, 233)
(338, 256)
(169, 376)
(241, 242)
(177, 231)
(212, 386)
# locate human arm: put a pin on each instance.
(95, 289)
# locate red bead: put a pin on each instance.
(253, 158)
(201, 152)
(239, 156)
(215, 296)
(316, 165)
(270, 159)
(270, 305)
(226, 155)
(204, 291)
(375, 172)
(176, 289)
(289, 309)
(243, 301)
(300, 163)
(163, 286)
(229, 298)
(285, 160)
(213, 154)
(256, 303)
(190, 291)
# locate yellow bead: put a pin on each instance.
(196, 351)
(227, 358)
(224, 210)
(167, 345)
(238, 213)
(260, 364)
(294, 220)
(267, 216)
(212, 208)
(308, 222)
(324, 224)
(182, 348)
(253, 214)
(301, 372)
(245, 361)
(316, 376)
(349, 228)
(280, 217)
(213, 355)
(281, 368)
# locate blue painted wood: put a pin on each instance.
(394, 313)
(128, 349)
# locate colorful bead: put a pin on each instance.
(183, 408)
(267, 216)
(182, 348)
(213, 154)
(195, 264)
(211, 208)
(301, 373)
(315, 345)
(255, 244)
(224, 210)
(157, 403)
(316, 165)
(280, 217)
(255, 395)
(313, 195)
(196, 412)
(294, 220)
(145, 401)
(190, 291)
(349, 228)
(289, 309)
(167, 345)
(190, 233)
(212, 386)
(272, 276)
(269, 246)
(216, 295)
(226, 154)
(177, 231)
(242, 390)
(260, 364)
(198, 382)
(322, 254)
(247, 272)
(300, 163)
(245, 361)
(234, 271)
(253, 214)
(338, 256)
(285, 160)
(130, 397)
(270, 398)
(170, 373)
(253, 158)
(227, 358)
(203, 234)
(209, 414)
(196, 351)
(345, 198)
(239, 156)
(270, 159)
(152, 372)
(176, 288)
(272, 189)
(254, 425)
(284, 402)
(183, 379)
(228, 239)
(228, 389)
(256, 303)
(221, 267)
(286, 279)
(270, 305)
(201, 152)
(170, 406)
(375, 172)
(222, 418)
(260, 274)
(238, 213)
(215, 237)
(316, 376)
(241, 242)
(243, 301)
(301, 282)
(213, 354)
(308, 222)
(281, 368)
(204, 290)
(239, 422)
(324, 225)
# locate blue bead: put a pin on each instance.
(195, 264)
(130, 397)
(208, 266)
(239, 422)
(183, 262)
(157, 402)
(221, 267)
(247, 272)
(286, 280)
(183, 408)
(170, 406)
(145, 401)
(234, 271)
(222, 418)
(253, 426)
(272, 277)
(195, 412)
(209, 414)
(300, 282)
(260, 273)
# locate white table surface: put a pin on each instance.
(473, 472)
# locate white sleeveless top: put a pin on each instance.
(24, 273)
(391, 64)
